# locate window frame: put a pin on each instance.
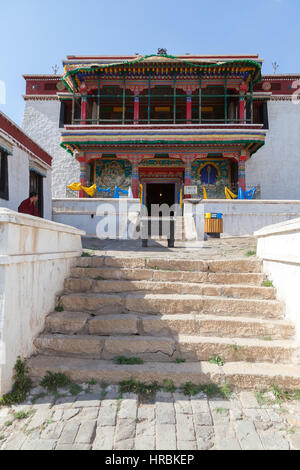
(4, 183)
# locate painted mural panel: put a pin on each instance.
(110, 173)
(213, 174)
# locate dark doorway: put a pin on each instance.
(160, 193)
(36, 185)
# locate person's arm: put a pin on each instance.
(35, 211)
(22, 207)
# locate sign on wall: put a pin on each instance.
(189, 190)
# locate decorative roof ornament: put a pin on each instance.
(55, 69)
(275, 67)
(161, 51)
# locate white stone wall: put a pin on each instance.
(242, 217)
(121, 215)
(41, 123)
(276, 165)
(18, 181)
(36, 256)
(279, 247)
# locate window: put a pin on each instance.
(36, 185)
(3, 176)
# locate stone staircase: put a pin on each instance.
(161, 310)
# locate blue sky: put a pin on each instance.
(36, 34)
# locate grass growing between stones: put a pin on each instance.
(53, 381)
(21, 386)
(23, 414)
(189, 389)
(222, 410)
(210, 390)
(86, 254)
(75, 389)
(251, 253)
(267, 283)
(59, 308)
(216, 360)
(37, 397)
(128, 360)
(179, 360)
(140, 388)
(168, 386)
(275, 395)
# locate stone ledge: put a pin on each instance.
(11, 217)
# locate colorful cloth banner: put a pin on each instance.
(229, 194)
(119, 191)
(104, 190)
(251, 193)
(78, 187)
(241, 194)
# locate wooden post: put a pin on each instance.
(124, 99)
(225, 104)
(242, 170)
(251, 100)
(242, 108)
(98, 101)
(136, 110)
(174, 101)
(83, 175)
(73, 100)
(188, 106)
(187, 174)
(200, 99)
(149, 101)
(83, 91)
(135, 176)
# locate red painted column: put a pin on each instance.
(242, 172)
(83, 175)
(242, 107)
(188, 108)
(136, 110)
(83, 109)
(83, 91)
(187, 175)
(135, 177)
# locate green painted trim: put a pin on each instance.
(252, 152)
(181, 61)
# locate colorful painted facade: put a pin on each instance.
(137, 121)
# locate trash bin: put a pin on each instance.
(213, 224)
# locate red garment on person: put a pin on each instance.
(28, 207)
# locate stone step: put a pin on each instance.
(167, 349)
(113, 286)
(168, 325)
(239, 375)
(173, 264)
(170, 304)
(168, 276)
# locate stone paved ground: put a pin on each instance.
(99, 418)
(225, 247)
(102, 419)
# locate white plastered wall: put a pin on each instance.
(41, 123)
(275, 167)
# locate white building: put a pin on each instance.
(274, 168)
(24, 167)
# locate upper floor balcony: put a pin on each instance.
(163, 105)
(162, 90)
